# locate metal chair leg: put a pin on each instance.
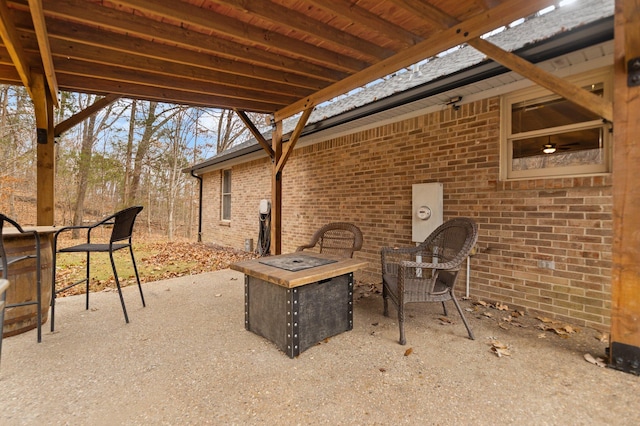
(135, 268)
(115, 275)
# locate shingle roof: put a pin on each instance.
(533, 30)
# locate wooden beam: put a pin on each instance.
(101, 103)
(276, 192)
(625, 280)
(255, 132)
(560, 86)
(40, 27)
(474, 27)
(43, 106)
(302, 121)
(14, 47)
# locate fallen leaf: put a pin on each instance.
(604, 337)
(501, 307)
(542, 336)
(500, 349)
(218, 295)
(595, 361)
(480, 302)
(445, 320)
(488, 314)
(503, 326)
(544, 319)
(408, 352)
(501, 352)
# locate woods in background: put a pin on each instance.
(131, 152)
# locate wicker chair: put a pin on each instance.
(338, 238)
(428, 272)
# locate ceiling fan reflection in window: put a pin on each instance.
(550, 148)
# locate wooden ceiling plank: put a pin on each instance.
(74, 83)
(194, 15)
(88, 13)
(255, 132)
(94, 56)
(284, 16)
(428, 12)
(560, 86)
(170, 82)
(370, 20)
(12, 43)
(40, 27)
(79, 117)
(143, 48)
(473, 27)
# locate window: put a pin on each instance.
(545, 135)
(226, 195)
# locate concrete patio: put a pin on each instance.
(187, 359)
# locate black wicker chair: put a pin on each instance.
(6, 260)
(338, 238)
(121, 234)
(428, 272)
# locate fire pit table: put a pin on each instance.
(297, 300)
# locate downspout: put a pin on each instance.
(199, 205)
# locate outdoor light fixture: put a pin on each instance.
(454, 101)
(549, 148)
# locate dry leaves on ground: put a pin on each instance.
(557, 327)
(168, 260)
(499, 348)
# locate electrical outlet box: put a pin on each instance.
(546, 264)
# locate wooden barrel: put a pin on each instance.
(22, 288)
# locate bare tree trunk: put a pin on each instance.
(127, 199)
(84, 167)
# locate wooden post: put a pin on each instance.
(625, 285)
(43, 105)
(276, 191)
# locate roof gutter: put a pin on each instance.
(199, 205)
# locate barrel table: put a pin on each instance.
(22, 278)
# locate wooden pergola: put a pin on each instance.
(284, 57)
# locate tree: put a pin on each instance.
(152, 123)
(91, 128)
(231, 130)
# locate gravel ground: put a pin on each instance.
(187, 359)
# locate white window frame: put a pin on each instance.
(225, 196)
(604, 76)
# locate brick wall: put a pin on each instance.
(366, 178)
